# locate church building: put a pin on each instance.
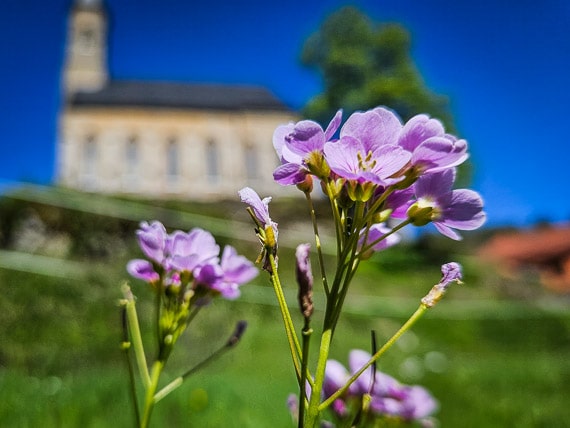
(158, 139)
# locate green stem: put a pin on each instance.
(354, 262)
(314, 408)
(292, 338)
(136, 339)
(407, 325)
(126, 345)
(318, 242)
(157, 310)
(337, 220)
(149, 397)
(307, 331)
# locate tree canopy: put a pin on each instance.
(364, 65)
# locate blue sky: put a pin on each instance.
(504, 66)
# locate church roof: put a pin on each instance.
(179, 96)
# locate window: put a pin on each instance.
(89, 173)
(132, 156)
(172, 161)
(212, 169)
(131, 163)
(86, 41)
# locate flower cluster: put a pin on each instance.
(404, 171)
(373, 169)
(188, 263)
(186, 272)
(388, 397)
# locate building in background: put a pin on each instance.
(545, 250)
(158, 139)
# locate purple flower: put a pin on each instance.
(432, 150)
(227, 276)
(399, 201)
(295, 144)
(259, 206)
(336, 376)
(152, 240)
(388, 396)
(450, 272)
(383, 384)
(236, 271)
(373, 128)
(191, 250)
(376, 232)
(417, 403)
(349, 158)
(446, 208)
(142, 269)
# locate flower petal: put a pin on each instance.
(279, 137)
(435, 185)
(142, 269)
(465, 210)
(373, 128)
(418, 129)
(333, 125)
(289, 174)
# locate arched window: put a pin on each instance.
(172, 160)
(86, 41)
(212, 167)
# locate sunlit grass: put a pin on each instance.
(489, 360)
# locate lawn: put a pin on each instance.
(491, 360)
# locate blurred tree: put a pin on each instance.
(364, 65)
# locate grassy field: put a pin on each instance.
(490, 359)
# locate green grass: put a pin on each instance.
(61, 366)
(490, 360)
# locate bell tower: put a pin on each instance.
(86, 50)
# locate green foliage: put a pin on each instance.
(364, 65)
(60, 364)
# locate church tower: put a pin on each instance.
(86, 50)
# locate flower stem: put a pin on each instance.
(307, 331)
(126, 346)
(149, 397)
(407, 325)
(314, 408)
(157, 310)
(318, 242)
(292, 338)
(337, 220)
(135, 334)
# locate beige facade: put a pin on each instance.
(108, 143)
(190, 154)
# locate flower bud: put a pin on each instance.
(306, 186)
(317, 165)
(451, 272)
(360, 191)
(304, 280)
(237, 334)
(420, 215)
(382, 216)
